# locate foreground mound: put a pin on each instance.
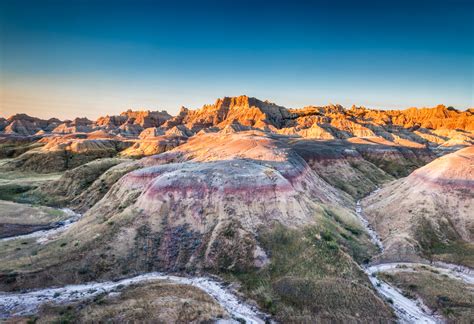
(429, 213)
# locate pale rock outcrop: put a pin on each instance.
(151, 132)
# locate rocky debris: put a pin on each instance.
(427, 210)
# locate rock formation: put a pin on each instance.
(429, 213)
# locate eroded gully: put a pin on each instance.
(407, 310)
(27, 303)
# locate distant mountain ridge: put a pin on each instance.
(440, 125)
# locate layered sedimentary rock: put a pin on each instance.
(428, 213)
(13, 146)
(206, 201)
(247, 111)
(153, 145)
(342, 165)
(442, 127)
(22, 124)
(131, 123)
(66, 152)
(78, 125)
(397, 142)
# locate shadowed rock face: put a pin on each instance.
(22, 124)
(428, 213)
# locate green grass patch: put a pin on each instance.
(310, 278)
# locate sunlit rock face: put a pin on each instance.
(442, 128)
(131, 123)
(63, 152)
(432, 207)
(244, 110)
(153, 145)
(78, 125)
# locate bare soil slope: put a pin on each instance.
(430, 212)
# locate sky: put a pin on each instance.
(84, 58)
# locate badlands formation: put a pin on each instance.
(429, 213)
(263, 198)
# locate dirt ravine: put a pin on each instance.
(408, 310)
(25, 303)
(18, 304)
(45, 235)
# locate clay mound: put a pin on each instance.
(73, 182)
(208, 202)
(340, 164)
(66, 152)
(179, 130)
(13, 146)
(314, 131)
(153, 145)
(453, 170)
(428, 213)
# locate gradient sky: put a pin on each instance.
(88, 58)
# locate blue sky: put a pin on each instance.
(90, 58)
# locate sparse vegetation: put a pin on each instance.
(156, 302)
(450, 297)
(310, 278)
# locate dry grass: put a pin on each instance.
(14, 213)
(157, 302)
(311, 278)
(450, 297)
